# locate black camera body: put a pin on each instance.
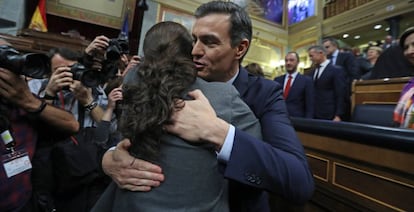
(89, 78)
(117, 47)
(33, 65)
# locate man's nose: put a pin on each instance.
(197, 49)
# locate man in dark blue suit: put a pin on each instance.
(298, 91)
(329, 83)
(348, 62)
(345, 59)
(222, 34)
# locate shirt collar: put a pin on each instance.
(325, 63)
(294, 74)
(335, 53)
(234, 77)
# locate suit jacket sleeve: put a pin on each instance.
(351, 66)
(278, 163)
(310, 97)
(340, 88)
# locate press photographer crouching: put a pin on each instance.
(21, 113)
(77, 84)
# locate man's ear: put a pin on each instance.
(242, 48)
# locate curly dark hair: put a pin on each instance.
(160, 81)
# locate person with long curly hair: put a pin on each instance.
(151, 94)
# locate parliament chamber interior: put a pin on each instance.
(362, 164)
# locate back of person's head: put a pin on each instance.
(167, 40)
(356, 51)
(254, 69)
(160, 81)
(240, 22)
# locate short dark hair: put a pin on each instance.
(318, 48)
(255, 69)
(240, 22)
(332, 40)
(66, 53)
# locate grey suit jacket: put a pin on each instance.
(192, 179)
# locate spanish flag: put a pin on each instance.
(38, 21)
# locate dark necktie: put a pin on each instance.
(287, 87)
(316, 74)
(332, 59)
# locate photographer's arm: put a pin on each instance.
(98, 45)
(114, 96)
(85, 98)
(15, 90)
(53, 116)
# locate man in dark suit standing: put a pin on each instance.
(277, 164)
(348, 62)
(329, 82)
(297, 89)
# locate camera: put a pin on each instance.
(117, 47)
(89, 78)
(33, 65)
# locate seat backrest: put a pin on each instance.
(375, 114)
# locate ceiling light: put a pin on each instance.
(356, 37)
(387, 29)
(378, 26)
(345, 35)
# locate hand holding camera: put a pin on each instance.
(97, 46)
(81, 93)
(135, 60)
(61, 78)
(14, 89)
(113, 97)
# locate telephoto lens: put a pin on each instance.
(34, 65)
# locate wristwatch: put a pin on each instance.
(91, 106)
(49, 97)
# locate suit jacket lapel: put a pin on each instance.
(295, 83)
(324, 73)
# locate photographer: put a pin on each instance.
(21, 113)
(103, 52)
(77, 84)
(64, 89)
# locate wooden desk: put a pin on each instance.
(379, 91)
(358, 167)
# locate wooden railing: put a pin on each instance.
(41, 42)
(358, 167)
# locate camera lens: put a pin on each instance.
(32, 65)
(36, 65)
(113, 53)
(91, 78)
